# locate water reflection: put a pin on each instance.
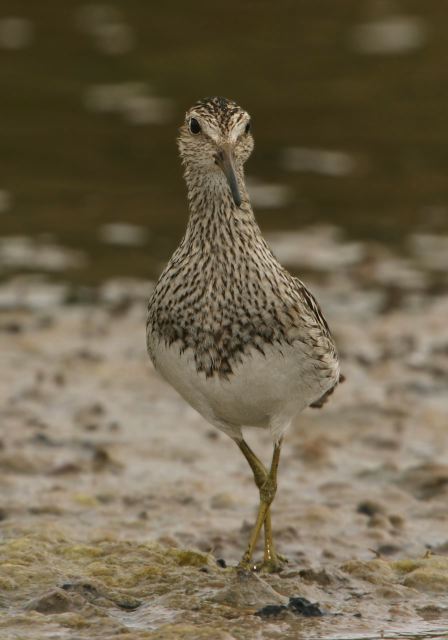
(321, 161)
(264, 195)
(107, 27)
(394, 34)
(122, 233)
(41, 254)
(15, 33)
(315, 248)
(431, 251)
(5, 201)
(132, 100)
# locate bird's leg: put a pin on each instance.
(267, 485)
(260, 474)
(273, 561)
(258, 469)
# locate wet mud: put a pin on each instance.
(123, 514)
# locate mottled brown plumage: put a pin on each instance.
(241, 339)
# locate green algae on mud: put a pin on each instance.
(429, 574)
(42, 559)
(147, 589)
(50, 573)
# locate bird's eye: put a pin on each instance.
(247, 129)
(195, 127)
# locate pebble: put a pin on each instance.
(299, 606)
(302, 606)
(370, 508)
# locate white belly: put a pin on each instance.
(263, 391)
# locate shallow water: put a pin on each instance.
(348, 102)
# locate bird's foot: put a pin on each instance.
(246, 565)
(275, 564)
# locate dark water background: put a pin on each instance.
(363, 78)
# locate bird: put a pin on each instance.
(238, 337)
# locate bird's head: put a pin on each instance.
(216, 139)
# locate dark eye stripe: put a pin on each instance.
(247, 129)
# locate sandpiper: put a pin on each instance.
(242, 340)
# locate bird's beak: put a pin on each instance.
(224, 160)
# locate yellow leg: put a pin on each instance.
(269, 550)
(267, 485)
(258, 469)
(260, 475)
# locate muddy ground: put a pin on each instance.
(123, 514)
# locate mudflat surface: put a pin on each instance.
(117, 499)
